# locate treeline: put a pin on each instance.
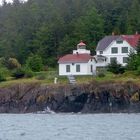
(51, 28)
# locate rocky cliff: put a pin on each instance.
(87, 98)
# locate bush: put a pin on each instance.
(28, 73)
(116, 68)
(3, 62)
(2, 77)
(101, 74)
(13, 64)
(3, 74)
(34, 62)
(137, 72)
(18, 73)
(133, 62)
(41, 77)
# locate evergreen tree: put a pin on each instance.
(115, 68)
(34, 62)
(133, 22)
(138, 47)
(51, 28)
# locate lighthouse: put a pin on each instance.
(81, 49)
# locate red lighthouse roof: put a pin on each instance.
(75, 58)
(81, 43)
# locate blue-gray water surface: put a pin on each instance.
(69, 127)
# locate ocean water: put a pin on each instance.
(69, 127)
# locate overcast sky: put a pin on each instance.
(10, 1)
(6, 0)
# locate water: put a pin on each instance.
(70, 127)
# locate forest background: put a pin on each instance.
(49, 29)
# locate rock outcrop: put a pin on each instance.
(87, 98)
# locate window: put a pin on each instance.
(112, 59)
(124, 49)
(91, 68)
(101, 52)
(67, 68)
(114, 50)
(77, 68)
(119, 41)
(125, 59)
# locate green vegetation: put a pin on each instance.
(115, 68)
(34, 63)
(134, 61)
(50, 28)
(47, 78)
(3, 74)
(13, 63)
(34, 34)
(18, 73)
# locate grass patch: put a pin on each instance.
(47, 77)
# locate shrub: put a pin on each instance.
(13, 64)
(18, 73)
(3, 62)
(28, 73)
(137, 72)
(133, 61)
(41, 77)
(101, 74)
(115, 68)
(35, 63)
(3, 74)
(2, 77)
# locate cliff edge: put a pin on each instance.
(94, 97)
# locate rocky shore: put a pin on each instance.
(87, 98)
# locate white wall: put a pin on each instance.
(81, 51)
(119, 55)
(85, 69)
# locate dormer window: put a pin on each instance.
(119, 41)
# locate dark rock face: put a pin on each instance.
(89, 98)
(73, 103)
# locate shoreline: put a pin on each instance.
(92, 98)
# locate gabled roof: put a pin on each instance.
(132, 39)
(106, 41)
(75, 58)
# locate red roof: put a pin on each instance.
(132, 39)
(81, 44)
(75, 58)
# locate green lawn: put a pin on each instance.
(48, 78)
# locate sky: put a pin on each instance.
(6, 0)
(9, 1)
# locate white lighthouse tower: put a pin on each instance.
(81, 49)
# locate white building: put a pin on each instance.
(110, 48)
(116, 48)
(78, 63)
